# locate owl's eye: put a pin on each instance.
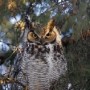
(32, 37)
(50, 37)
(48, 34)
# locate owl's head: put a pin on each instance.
(47, 35)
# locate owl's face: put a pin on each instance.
(49, 37)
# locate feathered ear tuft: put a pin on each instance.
(51, 24)
(48, 28)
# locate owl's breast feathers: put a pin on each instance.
(43, 63)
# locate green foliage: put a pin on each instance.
(79, 63)
(78, 54)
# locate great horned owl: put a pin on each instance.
(42, 63)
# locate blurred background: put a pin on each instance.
(73, 19)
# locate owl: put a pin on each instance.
(43, 61)
(48, 34)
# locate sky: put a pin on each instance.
(40, 8)
(16, 19)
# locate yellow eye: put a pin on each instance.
(48, 34)
(32, 37)
(51, 36)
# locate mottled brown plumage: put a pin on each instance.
(42, 63)
(48, 34)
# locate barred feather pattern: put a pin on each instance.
(41, 65)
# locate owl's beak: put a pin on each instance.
(41, 40)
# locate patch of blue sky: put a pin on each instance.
(41, 8)
(15, 19)
(4, 48)
(2, 34)
(59, 0)
(53, 13)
